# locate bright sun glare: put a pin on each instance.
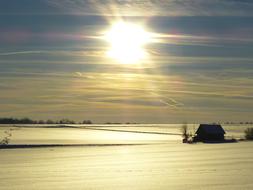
(127, 42)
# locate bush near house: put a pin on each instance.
(249, 133)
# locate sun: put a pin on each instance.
(127, 42)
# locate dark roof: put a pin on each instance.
(210, 129)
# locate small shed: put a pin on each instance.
(209, 132)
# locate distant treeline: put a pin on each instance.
(241, 123)
(49, 121)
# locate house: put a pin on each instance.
(209, 132)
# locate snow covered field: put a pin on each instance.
(160, 162)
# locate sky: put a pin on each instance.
(199, 67)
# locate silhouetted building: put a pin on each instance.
(209, 132)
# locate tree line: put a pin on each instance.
(26, 120)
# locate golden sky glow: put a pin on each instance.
(127, 61)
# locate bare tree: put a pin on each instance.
(185, 132)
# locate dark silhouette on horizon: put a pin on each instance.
(49, 121)
(209, 132)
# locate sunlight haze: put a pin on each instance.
(127, 61)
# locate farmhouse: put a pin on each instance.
(209, 132)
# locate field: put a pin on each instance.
(123, 157)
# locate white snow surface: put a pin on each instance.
(161, 162)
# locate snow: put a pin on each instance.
(162, 162)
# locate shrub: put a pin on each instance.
(249, 133)
(6, 139)
(185, 132)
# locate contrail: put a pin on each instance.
(170, 102)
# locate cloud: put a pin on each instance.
(20, 53)
(70, 53)
(211, 40)
(156, 7)
(104, 94)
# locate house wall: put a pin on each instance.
(203, 136)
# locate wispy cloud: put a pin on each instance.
(157, 7)
(184, 39)
(20, 53)
(97, 94)
(73, 53)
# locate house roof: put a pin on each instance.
(210, 129)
